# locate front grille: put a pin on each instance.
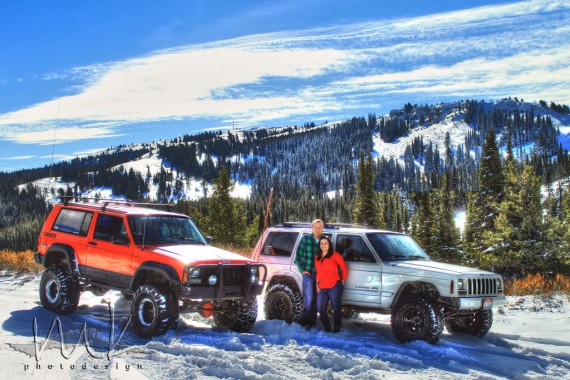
(482, 287)
(227, 275)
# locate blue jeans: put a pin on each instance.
(333, 295)
(310, 300)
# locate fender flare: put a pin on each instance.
(285, 277)
(152, 266)
(67, 252)
(414, 287)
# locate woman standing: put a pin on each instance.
(331, 274)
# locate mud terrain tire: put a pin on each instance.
(417, 317)
(153, 311)
(237, 317)
(284, 303)
(59, 290)
(477, 324)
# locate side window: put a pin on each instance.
(279, 244)
(353, 248)
(111, 228)
(73, 221)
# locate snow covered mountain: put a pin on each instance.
(460, 125)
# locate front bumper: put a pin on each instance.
(221, 292)
(232, 282)
(466, 303)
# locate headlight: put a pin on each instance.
(460, 284)
(499, 284)
(254, 274)
(212, 279)
(195, 276)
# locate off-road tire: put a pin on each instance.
(236, 316)
(478, 323)
(283, 302)
(417, 317)
(59, 290)
(153, 311)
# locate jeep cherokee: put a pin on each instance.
(388, 273)
(157, 258)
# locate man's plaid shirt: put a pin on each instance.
(306, 253)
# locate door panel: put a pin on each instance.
(364, 282)
(110, 251)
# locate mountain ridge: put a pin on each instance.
(428, 124)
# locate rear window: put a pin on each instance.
(279, 243)
(73, 221)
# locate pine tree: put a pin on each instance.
(483, 205)
(518, 239)
(226, 221)
(445, 235)
(424, 223)
(366, 211)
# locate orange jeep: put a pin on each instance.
(159, 259)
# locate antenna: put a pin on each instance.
(267, 211)
(54, 139)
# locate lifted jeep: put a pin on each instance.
(388, 273)
(159, 259)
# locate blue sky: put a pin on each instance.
(89, 75)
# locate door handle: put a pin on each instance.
(92, 243)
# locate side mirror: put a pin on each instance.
(209, 240)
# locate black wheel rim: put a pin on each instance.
(146, 312)
(415, 321)
(52, 290)
(281, 307)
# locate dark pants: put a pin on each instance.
(333, 295)
(310, 303)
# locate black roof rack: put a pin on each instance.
(107, 201)
(327, 225)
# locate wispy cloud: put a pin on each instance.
(520, 49)
(15, 158)
(58, 136)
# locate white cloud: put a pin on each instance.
(542, 71)
(17, 158)
(62, 135)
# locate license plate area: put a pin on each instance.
(487, 303)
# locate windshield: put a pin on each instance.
(393, 247)
(154, 229)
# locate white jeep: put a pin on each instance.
(389, 274)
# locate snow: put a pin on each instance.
(529, 339)
(192, 187)
(435, 133)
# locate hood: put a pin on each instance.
(203, 254)
(434, 266)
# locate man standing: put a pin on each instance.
(305, 260)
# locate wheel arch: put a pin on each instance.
(289, 280)
(414, 287)
(62, 254)
(155, 273)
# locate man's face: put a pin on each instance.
(317, 229)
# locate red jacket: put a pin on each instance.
(327, 270)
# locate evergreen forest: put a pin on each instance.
(508, 175)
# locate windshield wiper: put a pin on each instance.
(416, 257)
(192, 241)
(405, 257)
(396, 257)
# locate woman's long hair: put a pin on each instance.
(331, 248)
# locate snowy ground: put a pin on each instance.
(530, 339)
